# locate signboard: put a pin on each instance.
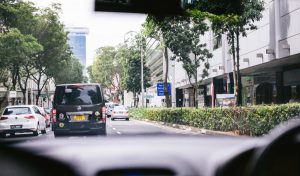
(160, 89)
(225, 100)
(149, 96)
(12, 94)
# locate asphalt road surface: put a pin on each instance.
(114, 128)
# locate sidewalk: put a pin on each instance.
(186, 128)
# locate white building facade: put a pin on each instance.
(269, 61)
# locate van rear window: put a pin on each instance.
(77, 95)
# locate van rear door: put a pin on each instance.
(78, 102)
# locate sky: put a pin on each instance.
(104, 28)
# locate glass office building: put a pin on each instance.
(77, 41)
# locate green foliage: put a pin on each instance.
(16, 50)
(73, 73)
(34, 44)
(182, 34)
(254, 121)
(133, 73)
(103, 69)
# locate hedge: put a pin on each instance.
(254, 120)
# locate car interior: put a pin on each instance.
(275, 154)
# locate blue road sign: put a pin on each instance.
(160, 89)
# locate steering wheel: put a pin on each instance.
(281, 156)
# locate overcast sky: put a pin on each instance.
(104, 28)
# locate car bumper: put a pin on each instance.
(120, 116)
(78, 127)
(26, 127)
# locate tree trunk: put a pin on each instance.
(168, 100)
(134, 99)
(239, 78)
(234, 64)
(122, 95)
(196, 83)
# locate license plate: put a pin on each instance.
(79, 118)
(16, 126)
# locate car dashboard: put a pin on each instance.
(163, 155)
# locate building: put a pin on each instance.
(77, 41)
(270, 61)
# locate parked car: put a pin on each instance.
(21, 119)
(78, 108)
(120, 112)
(46, 115)
(109, 108)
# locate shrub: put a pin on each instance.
(254, 120)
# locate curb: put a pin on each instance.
(190, 128)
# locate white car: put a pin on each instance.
(120, 112)
(22, 119)
(109, 108)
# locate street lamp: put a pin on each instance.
(142, 65)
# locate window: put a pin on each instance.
(17, 111)
(217, 41)
(78, 95)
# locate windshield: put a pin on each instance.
(17, 111)
(211, 68)
(77, 95)
(120, 108)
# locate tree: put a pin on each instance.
(74, 73)
(181, 35)
(132, 80)
(104, 70)
(50, 33)
(16, 50)
(16, 20)
(152, 29)
(235, 26)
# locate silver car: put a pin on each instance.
(120, 112)
(22, 118)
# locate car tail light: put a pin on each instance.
(54, 115)
(3, 118)
(29, 117)
(103, 113)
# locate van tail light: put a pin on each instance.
(3, 118)
(104, 114)
(54, 115)
(29, 117)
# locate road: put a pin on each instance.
(114, 128)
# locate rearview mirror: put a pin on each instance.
(169, 7)
(159, 7)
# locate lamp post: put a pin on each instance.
(142, 66)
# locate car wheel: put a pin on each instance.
(44, 131)
(38, 130)
(112, 119)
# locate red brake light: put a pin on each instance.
(29, 117)
(3, 118)
(103, 113)
(53, 115)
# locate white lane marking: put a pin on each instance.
(114, 129)
(118, 132)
